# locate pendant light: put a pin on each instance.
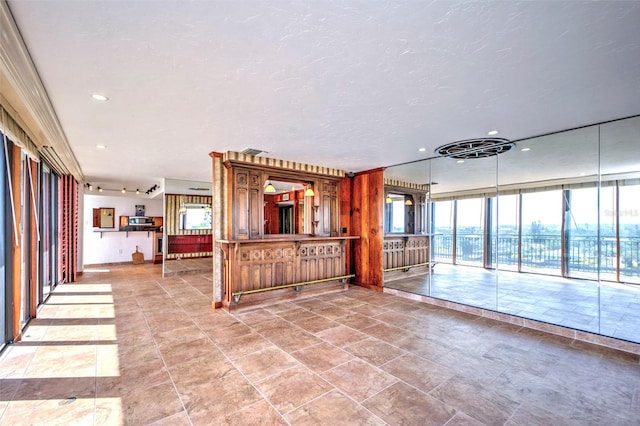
(269, 188)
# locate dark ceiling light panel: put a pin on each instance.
(252, 151)
(475, 148)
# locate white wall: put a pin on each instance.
(110, 246)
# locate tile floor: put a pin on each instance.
(130, 347)
(609, 309)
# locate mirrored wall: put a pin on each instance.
(549, 229)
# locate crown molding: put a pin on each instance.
(21, 75)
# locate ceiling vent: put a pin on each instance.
(252, 151)
(475, 148)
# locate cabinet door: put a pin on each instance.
(256, 205)
(329, 208)
(96, 218)
(241, 205)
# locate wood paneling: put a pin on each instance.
(366, 222)
(405, 255)
(260, 264)
(190, 245)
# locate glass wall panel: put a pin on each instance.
(535, 182)
(470, 231)
(506, 237)
(548, 230)
(541, 232)
(629, 214)
(466, 185)
(620, 169)
(442, 240)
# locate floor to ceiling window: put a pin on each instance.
(442, 241)
(470, 231)
(629, 219)
(541, 232)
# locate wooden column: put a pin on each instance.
(367, 201)
(218, 224)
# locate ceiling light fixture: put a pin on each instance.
(269, 188)
(492, 132)
(525, 149)
(99, 189)
(388, 200)
(100, 146)
(98, 97)
(422, 149)
(137, 190)
(124, 190)
(408, 202)
(460, 161)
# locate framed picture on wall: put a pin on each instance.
(285, 197)
(139, 210)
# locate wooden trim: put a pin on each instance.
(16, 271)
(245, 160)
(33, 255)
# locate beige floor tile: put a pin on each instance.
(335, 409)
(403, 404)
(243, 345)
(374, 351)
(204, 369)
(473, 399)
(267, 362)
(292, 388)
(322, 357)
(216, 399)
(342, 336)
(418, 372)
(358, 379)
(260, 413)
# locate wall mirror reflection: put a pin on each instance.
(104, 217)
(195, 216)
(548, 230)
(287, 207)
(399, 213)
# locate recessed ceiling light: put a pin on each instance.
(525, 149)
(493, 132)
(100, 146)
(422, 149)
(460, 161)
(99, 97)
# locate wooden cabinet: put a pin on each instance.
(192, 244)
(247, 205)
(329, 209)
(265, 268)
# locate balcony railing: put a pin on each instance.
(544, 252)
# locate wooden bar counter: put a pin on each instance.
(256, 270)
(405, 255)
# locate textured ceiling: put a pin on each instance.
(353, 85)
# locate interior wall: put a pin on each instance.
(110, 246)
